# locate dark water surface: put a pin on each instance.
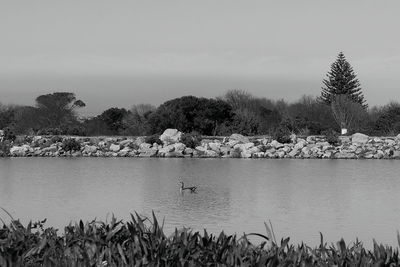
(340, 198)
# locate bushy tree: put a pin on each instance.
(113, 120)
(341, 80)
(136, 121)
(57, 109)
(347, 113)
(190, 113)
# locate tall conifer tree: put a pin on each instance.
(342, 81)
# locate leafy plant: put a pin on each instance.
(332, 137)
(282, 134)
(151, 139)
(191, 140)
(71, 144)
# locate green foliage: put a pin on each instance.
(5, 146)
(142, 242)
(71, 144)
(151, 139)
(191, 140)
(388, 121)
(282, 134)
(342, 81)
(9, 134)
(190, 113)
(332, 137)
(56, 109)
(113, 119)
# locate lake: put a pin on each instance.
(340, 198)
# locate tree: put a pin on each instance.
(189, 114)
(347, 113)
(113, 119)
(58, 108)
(342, 81)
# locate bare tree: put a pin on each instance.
(347, 113)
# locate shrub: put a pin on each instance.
(332, 137)
(191, 140)
(5, 148)
(71, 144)
(50, 131)
(282, 134)
(151, 139)
(9, 134)
(56, 139)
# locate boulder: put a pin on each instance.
(359, 138)
(239, 138)
(114, 147)
(90, 149)
(125, 143)
(171, 136)
(19, 151)
(148, 152)
(211, 154)
(276, 144)
(50, 149)
(180, 147)
(215, 146)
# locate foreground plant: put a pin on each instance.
(142, 242)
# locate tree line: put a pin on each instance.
(340, 105)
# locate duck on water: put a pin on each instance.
(192, 189)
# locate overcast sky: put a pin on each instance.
(121, 53)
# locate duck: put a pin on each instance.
(191, 188)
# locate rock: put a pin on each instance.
(124, 152)
(293, 138)
(114, 148)
(174, 154)
(280, 154)
(345, 155)
(166, 149)
(149, 152)
(180, 147)
(140, 140)
(300, 144)
(390, 142)
(171, 136)
(211, 154)
(50, 149)
(102, 144)
(125, 143)
(89, 149)
(396, 154)
(144, 146)
(201, 148)
(239, 138)
(276, 144)
(293, 153)
(359, 138)
(310, 139)
(258, 155)
(188, 151)
(214, 146)
(245, 154)
(19, 151)
(224, 150)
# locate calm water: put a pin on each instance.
(340, 198)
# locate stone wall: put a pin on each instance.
(357, 146)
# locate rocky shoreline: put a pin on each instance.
(357, 146)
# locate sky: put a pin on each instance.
(122, 53)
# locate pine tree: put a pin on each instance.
(342, 81)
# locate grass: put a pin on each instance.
(142, 242)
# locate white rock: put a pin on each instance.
(171, 136)
(359, 138)
(90, 149)
(239, 138)
(179, 147)
(19, 150)
(276, 144)
(214, 146)
(114, 148)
